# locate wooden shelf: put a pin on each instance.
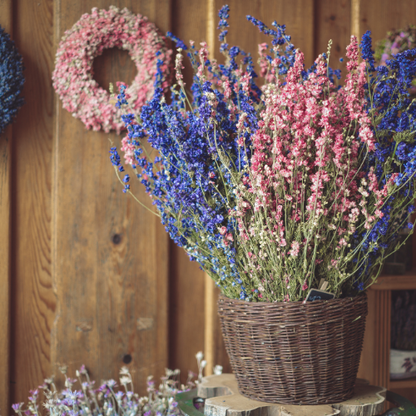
(403, 384)
(405, 281)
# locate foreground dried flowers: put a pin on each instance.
(110, 399)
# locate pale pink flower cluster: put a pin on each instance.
(178, 69)
(306, 194)
(203, 56)
(103, 29)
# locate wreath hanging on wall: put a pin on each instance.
(73, 75)
(11, 80)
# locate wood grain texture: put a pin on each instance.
(223, 397)
(187, 290)
(210, 298)
(332, 21)
(33, 301)
(406, 281)
(6, 22)
(110, 254)
(5, 292)
(367, 361)
(375, 357)
(380, 16)
(297, 15)
(355, 18)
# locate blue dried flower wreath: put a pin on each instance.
(11, 80)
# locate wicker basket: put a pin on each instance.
(294, 353)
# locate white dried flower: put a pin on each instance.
(218, 370)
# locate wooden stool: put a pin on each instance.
(223, 399)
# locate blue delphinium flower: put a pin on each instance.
(11, 80)
(223, 24)
(200, 147)
(393, 112)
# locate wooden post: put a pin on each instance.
(209, 344)
(355, 18)
(5, 156)
(5, 210)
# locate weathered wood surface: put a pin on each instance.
(332, 22)
(110, 254)
(5, 266)
(223, 398)
(382, 15)
(33, 301)
(5, 234)
(375, 357)
(297, 15)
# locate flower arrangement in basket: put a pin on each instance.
(275, 190)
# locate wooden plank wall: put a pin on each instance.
(6, 21)
(93, 277)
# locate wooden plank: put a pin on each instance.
(406, 281)
(368, 361)
(380, 16)
(6, 22)
(355, 18)
(332, 21)
(110, 254)
(375, 357)
(5, 266)
(187, 281)
(385, 341)
(210, 298)
(402, 384)
(33, 304)
(296, 15)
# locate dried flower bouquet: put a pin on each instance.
(273, 190)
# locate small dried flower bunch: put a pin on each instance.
(274, 189)
(396, 41)
(110, 399)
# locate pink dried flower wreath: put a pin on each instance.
(73, 74)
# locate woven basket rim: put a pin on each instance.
(361, 295)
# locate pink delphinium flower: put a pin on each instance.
(304, 173)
